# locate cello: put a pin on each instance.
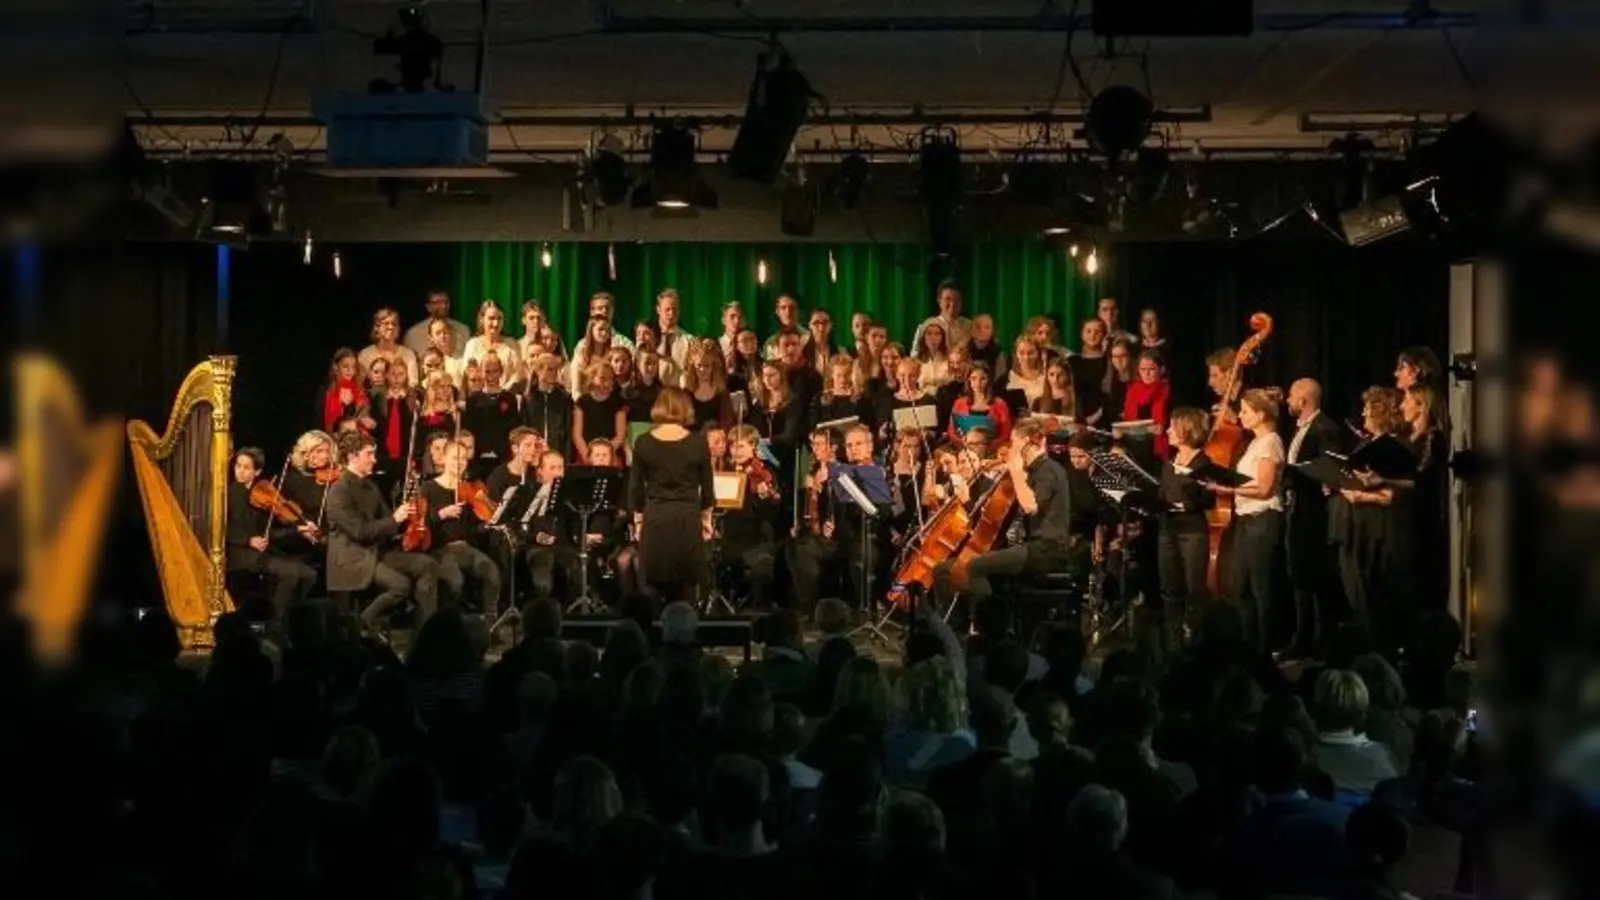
(954, 533)
(1226, 443)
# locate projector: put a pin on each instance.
(438, 134)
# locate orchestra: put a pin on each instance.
(431, 477)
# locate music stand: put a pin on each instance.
(1129, 489)
(728, 489)
(510, 509)
(866, 488)
(587, 490)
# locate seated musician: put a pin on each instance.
(312, 469)
(749, 532)
(1088, 514)
(1044, 504)
(1219, 371)
(363, 547)
(717, 445)
(255, 541)
(906, 473)
(526, 447)
(813, 544)
(453, 525)
(549, 532)
(609, 543)
(862, 557)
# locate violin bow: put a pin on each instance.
(272, 511)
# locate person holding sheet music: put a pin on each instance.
(813, 543)
(1257, 515)
(1306, 523)
(549, 532)
(979, 400)
(1182, 545)
(1425, 493)
(671, 495)
(453, 526)
(841, 396)
(1372, 537)
(1044, 504)
(749, 533)
(1149, 398)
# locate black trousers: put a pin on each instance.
(760, 565)
(1257, 541)
(1181, 558)
(291, 577)
(459, 560)
(400, 575)
(543, 563)
(808, 554)
(1311, 570)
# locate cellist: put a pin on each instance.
(1042, 500)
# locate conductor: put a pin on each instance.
(671, 494)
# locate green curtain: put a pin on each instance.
(895, 283)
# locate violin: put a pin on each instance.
(475, 496)
(760, 479)
(814, 504)
(415, 536)
(327, 475)
(264, 495)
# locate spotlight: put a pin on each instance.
(852, 179)
(1072, 250)
(609, 171)
(761, 271)
(1118, 121)
(833, 268)
(611, 262)
(779, 95)
(1091, 264)
(308, 248)
(674, 184)
(338, 265)
(545, 257)
(940, 159)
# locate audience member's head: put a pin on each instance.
(1339, 701)
(1097, 819)
(934, 697)
(747, 714)
(716, 675)
(580, 663)
(443, 649)
(1280, 760)
(736, 793)
(1385, 691)
(586, 798)
(547, 655)
(913, 825)
(536, 697)
(404, 799)
(633, 849)
(862, 685)
(541, 619)
(1378, 838)
(1050, 721)
(1005, 793)
(780, 629)
(683, 696)
(788, 730)
(1131, 709)
(1347, 643)
(993, 719)
(640, 608)
(641, 690)
(351, 754)
(851, 793)
(1005, 665)
(679, 624)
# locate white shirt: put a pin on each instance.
(957, 331)
(674, 345)
(1267, 446)
(935, 373)
(417, 337)
(504, 347)
(400, 352)
(1300, 437)
(1032, 388)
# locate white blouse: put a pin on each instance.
(935, 374)
(1263, 447)
(1032, 388)
(504, 347)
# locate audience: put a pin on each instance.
(1343, 751)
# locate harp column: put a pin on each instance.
(221, 461)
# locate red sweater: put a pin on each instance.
(1150, 401)
(333, 410)
(997, 412)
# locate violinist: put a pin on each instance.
(1042, 500)
(550, 531)
(312, 468)
(254, 536)
(813, 545)
(906, 472)
(749, 532)
(525, 447)
(454, 525)
(362, 546)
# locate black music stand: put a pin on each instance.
(866, 488)
(587, 490)
(1131, 491)
(508, 511)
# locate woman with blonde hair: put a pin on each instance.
(1373, 543)
(933, 352)
(585, 799)
(599, 414)
(671, 494)
(593, 348)
(491, 338)
(933, 731)
(1026, 378)
(706, 380)
(841, 392)
(1058, 399)
(1257, 515)
(314, 454)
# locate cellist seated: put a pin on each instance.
(1040, 486)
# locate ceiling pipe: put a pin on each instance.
(1049, 20)
(1173, 116)
(886, 155)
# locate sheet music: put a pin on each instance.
(849, 486)
(540, 501)
(923, 417)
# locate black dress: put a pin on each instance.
(670, 482)
(600, 416)
(1088, 378)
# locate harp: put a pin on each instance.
(183, 484)
(68, 473)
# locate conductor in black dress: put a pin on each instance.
(1310, 564)
(671, 493)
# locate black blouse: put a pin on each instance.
(600, 416)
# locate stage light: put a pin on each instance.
(1072, 250)
(611, 262)
(833, 268)
(1091, 263)
(852, 179)
(940, 161)
(777, 103)
(308, 248)
(1118, 120)
(545, 257)
(761, 271)
(797, 209)
(610, 171)
(674, 183)
(338, 265)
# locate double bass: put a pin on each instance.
(1227, 441)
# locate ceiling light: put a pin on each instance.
(852, 179)
(1118, 120)
(674, 183)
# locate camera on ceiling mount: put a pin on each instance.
(421, 55)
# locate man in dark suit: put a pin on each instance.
(1306, 537)
(361, 539)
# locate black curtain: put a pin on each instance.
(1339, 314)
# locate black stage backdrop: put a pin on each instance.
(131, 320)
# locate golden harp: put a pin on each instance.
(183, 484)
(68, 474)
